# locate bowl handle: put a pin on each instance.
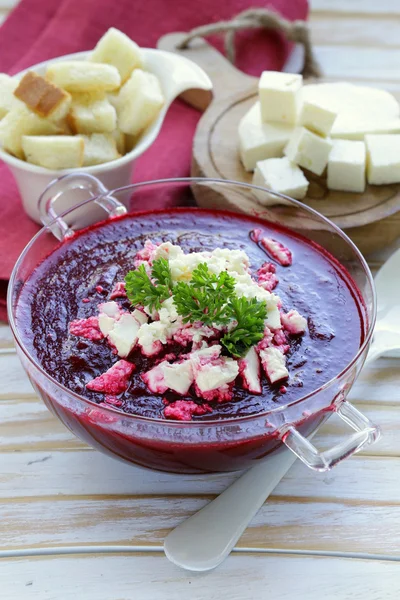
(366, 433)
(98, 193)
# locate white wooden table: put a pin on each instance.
(76, 524)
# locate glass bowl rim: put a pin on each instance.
(181, 209)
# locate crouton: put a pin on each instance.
(119, 138)
(92, 113)
(117, 49)
(42, 97)
(83, 76)
(140, 100)
(54, 151)
(7, 98)
(21, 121)
(99, 148)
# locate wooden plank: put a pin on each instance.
(251, 576)
(282, 523)
(14, 382)
(6, 339)
(356, 7)
(354, 30)
(28, 423)
(81, 473)
(375, 64)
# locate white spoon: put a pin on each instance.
(204, 540)
(387, 329)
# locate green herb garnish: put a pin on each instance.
(140, 289)
(205, 297)
(249, 316)
(208, 298)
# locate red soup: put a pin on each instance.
(187, 425)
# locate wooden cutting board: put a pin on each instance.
(371, 219)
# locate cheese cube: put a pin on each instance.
(317, 118)
(258, 140)
(92, 113)
(280, 96)
(140, 100)
(346, 166)
(357, 129)
(308, 150)
(383, 158)
(279, 175)
(117, 49)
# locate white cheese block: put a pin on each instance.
(274, 364)
(308, 150)
(383, 159)
(124, 334)
(249, 367)
(358, 129)
(279, 95)
(358, 108)
(279, 175)
(140, 317)
(346, 166)
(317, 118)
(258, 140)
(211, 377)
(178, 376)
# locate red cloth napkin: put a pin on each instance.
(41, 29)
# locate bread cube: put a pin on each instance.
(99, 148)
(83, 76)
(279, 175)
(120, 140)
(279, 95)
(317, 118)
(21, 121)
(92, 113)
(346, 166)
(42, 97)
(258, 140)
(140, 100)
(54, 151)
(7, 98)
(308, 150)
(383, 158)
(117, 49)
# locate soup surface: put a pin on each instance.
(82, 273)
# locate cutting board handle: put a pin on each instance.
(225, 78)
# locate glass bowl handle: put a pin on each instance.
(98, 193)
(366, 433)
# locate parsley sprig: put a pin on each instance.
(208, 298)
(205, 297)
(249, 330)
(140, 289)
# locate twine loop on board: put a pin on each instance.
(255, 18)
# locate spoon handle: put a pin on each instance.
(204, 540)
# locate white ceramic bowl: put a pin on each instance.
(176, 75)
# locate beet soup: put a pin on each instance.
(68, 307)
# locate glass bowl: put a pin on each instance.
(199, 446)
